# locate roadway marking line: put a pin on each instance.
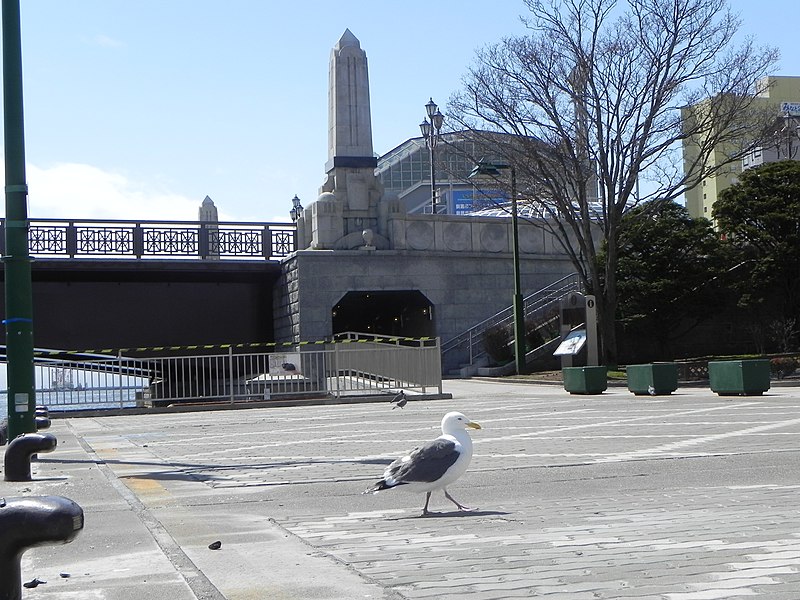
(483, 440)
(144, 486)
(656, 450)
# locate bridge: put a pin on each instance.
(125, 283)
(95, 238)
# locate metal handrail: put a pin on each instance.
(536, 303)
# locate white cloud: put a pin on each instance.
(105, 41)
(79, 191)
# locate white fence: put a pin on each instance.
(350, 367)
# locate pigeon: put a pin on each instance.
(399, 400)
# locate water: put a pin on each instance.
(100, 398)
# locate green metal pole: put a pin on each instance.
(519, 310)
(18, 294)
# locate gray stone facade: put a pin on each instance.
(353, 239)
(463, 265)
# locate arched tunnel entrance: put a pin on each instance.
(406, 313)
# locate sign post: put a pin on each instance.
(592, 354)
(578, 319)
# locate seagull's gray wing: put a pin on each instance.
(424, 464)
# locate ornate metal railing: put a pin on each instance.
(96, 238)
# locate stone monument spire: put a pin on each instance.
(349, 120)
(348, 213)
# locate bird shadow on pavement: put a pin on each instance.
(455, 513)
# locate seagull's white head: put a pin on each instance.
(455, 421)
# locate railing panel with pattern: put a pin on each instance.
(94, 238)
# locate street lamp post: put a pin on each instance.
(493, 169)
(296, 209)
(294, 213)
(430, 128)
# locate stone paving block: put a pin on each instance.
(713, 594)
(583, 498)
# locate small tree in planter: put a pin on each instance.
(497, 341)
(541, 330)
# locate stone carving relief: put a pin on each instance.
(458, 236)
(494, 237)
(420, 235)
(531, 240)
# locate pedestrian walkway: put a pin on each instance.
(683, 497)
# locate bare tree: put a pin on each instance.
(601, 94)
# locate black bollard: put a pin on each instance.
(42, 411)
(17, 460)
(41, 422)
(28, 522)
(3, 432)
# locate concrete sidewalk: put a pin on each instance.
(684, 497)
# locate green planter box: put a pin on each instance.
(653, 379)
(739, 377)
(585, 380)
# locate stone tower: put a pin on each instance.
(347, 212)
(349, 120)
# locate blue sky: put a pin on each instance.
(139, 109)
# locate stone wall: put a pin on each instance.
(463, 265)
(448, 233)
(464, 287)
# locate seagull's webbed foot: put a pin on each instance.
(454, 501)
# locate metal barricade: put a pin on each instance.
(332, 369)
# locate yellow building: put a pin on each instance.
(781, 92)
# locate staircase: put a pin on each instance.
(463, 354)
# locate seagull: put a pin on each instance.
(434, 465)
(399, 400)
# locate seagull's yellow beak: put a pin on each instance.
(474, 425)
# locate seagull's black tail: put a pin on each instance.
(377, 487)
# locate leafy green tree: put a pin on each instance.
(671, 274)
(760, 216)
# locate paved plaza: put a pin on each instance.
(683, 497)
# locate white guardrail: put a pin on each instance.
(350, 367)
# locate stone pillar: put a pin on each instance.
(349, 119)
(327, 222)
(209, 234)
(350, 197)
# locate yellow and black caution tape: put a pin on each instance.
(115, 351)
